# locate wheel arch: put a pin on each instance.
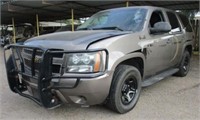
(136, 62)
(136, 59)
(187, 46)
(189, 49)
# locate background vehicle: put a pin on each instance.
(66, 28)
(5, 40)
(6, 36)
(23, 32)
(107, 60)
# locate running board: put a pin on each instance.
(159, 77)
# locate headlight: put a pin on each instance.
(86, 62)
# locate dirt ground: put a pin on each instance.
(174, 98)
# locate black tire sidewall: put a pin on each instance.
(119, 81)
(11, 75)
(182, 71)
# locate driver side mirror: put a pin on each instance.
(160, 27)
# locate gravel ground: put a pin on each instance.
(174, 98)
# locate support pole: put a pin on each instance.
(72, 15)
(127, 3)
(37, 25)
(13, 24)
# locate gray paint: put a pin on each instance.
(164, 51)
(78, 40)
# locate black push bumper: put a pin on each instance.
(40, 69)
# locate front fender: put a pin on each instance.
(117, 57)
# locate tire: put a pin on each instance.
(11, 75)
(184, 65)
(125, 89)
(13, 78)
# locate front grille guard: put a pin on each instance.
(46, 97)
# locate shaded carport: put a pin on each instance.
(25, 11)
(17, 11)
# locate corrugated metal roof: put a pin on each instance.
(24, 11)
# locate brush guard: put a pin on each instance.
(46, 96)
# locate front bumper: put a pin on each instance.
(48, 89)
(89, 91)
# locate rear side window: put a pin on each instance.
(174, 22)
(185, 22)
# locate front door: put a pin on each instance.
(158, 48)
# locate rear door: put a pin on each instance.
(178, 38)
(187, 32)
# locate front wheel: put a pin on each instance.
(125, 89)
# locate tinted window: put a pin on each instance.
(156, 16)
(185, 22)
(174, 22)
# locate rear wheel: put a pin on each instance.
(125, 89)
(184, 65)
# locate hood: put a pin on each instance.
(78, 40)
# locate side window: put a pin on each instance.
(174, 22)
(156, 16)
(185, 22)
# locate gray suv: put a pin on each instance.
(107, 60)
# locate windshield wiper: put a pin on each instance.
(102, 28)
(86, 28)
(109, 28)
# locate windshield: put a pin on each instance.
(119, 19)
